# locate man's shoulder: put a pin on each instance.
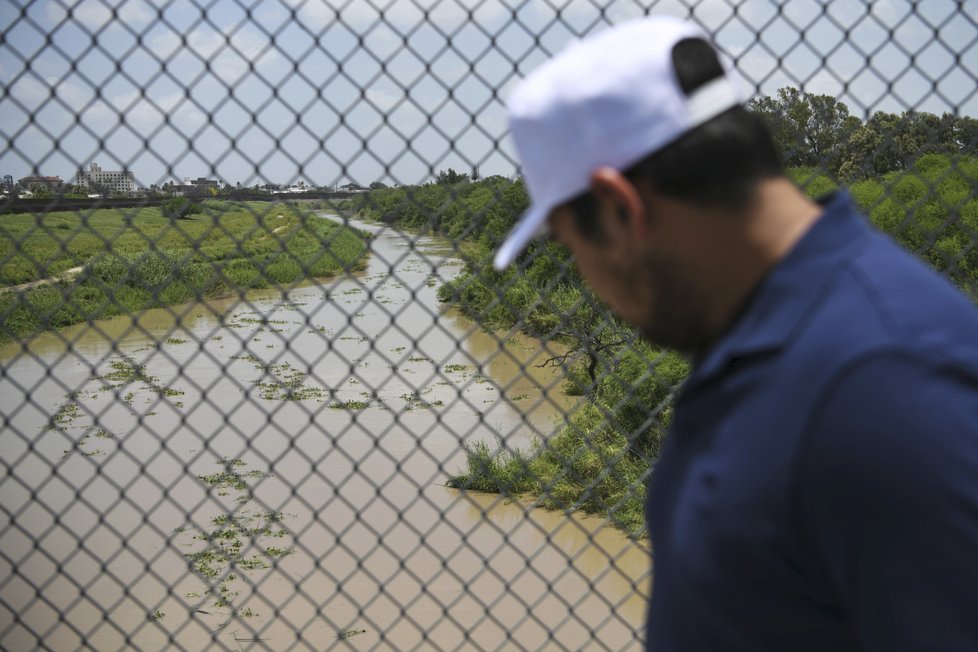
(882, 297)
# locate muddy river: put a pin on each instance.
(269, 473)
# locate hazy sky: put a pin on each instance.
(257, 91)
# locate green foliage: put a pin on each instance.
(477, 211)
(131, 260)
(814, 182)
(180, 208)
(931, 209)
(450, 177)
(588, 465)
(818, 132)
(810, 130)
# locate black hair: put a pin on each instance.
(717, 164)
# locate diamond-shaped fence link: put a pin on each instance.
(259, 387)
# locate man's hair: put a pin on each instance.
(717, 164)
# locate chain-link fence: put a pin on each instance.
(259, 387)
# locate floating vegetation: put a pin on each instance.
(237, 541)
(126, 371)
(350, 405)
(67, 412)
(455, 368)
(174, 340)
(414, 400)
(124, 374)
(287, 384)
(230, 478)
(263, 323)
(81, 443)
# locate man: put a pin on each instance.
(818, 489)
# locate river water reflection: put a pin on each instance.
(345, 405)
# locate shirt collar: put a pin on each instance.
(784, 296)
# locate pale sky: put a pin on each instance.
(257, 91)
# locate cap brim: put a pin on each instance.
(530, 227)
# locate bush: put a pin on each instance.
(179, 208)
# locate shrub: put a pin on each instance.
(179, 208)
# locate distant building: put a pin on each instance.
(190, 187)
(202, 185)
(45, 182)
(292, 189)
(95, 177)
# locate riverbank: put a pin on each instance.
(599, 459)
(133, 260)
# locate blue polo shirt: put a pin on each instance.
(818, 489)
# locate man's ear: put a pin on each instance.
(610, 186)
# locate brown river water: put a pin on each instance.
(112, 436)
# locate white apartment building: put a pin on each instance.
(122, 182)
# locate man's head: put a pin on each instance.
(633, 143)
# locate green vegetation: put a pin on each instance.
(814, 130)
(469, 212)
(70, 420)
(180, 208)
(118, 261)
(286, 383)
(239, 539)
(350, 405)
(598, 462)
(931, 209)
(923, 191)
(350, 633)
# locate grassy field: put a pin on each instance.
(131, 260)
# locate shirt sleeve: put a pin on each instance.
(888, 499)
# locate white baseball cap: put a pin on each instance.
(608, 100)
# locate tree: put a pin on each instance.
(377, 185)
(890, 142)
(810, 130)
(41, 191)
(75, 191)
(450, 177)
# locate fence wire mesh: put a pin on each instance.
(259, 387)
